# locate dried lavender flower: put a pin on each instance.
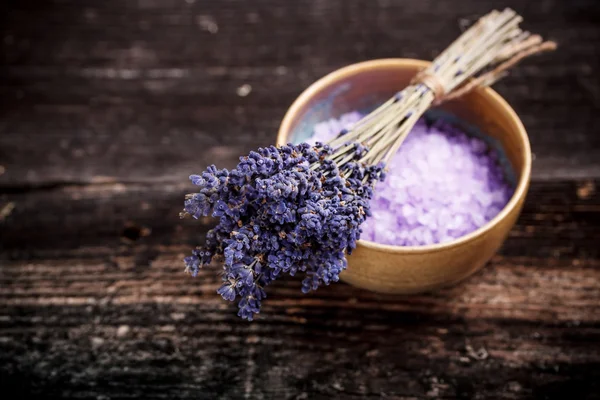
(271, 210)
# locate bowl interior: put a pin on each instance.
(361, 87)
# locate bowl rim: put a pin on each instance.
(492, 95)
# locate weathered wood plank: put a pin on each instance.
(147, 90)
(560, 219)
(560, 291)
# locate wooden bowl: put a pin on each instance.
(414, 269)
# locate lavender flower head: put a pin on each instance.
(282, 210)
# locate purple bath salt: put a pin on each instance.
(441, 185)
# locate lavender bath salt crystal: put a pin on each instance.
(441, 185)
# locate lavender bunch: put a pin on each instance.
(282, 210)
(299, 208)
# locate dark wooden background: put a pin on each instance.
(108, 106)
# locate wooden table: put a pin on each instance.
(108, 106)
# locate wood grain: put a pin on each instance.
(96, 309)
(107, 107)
